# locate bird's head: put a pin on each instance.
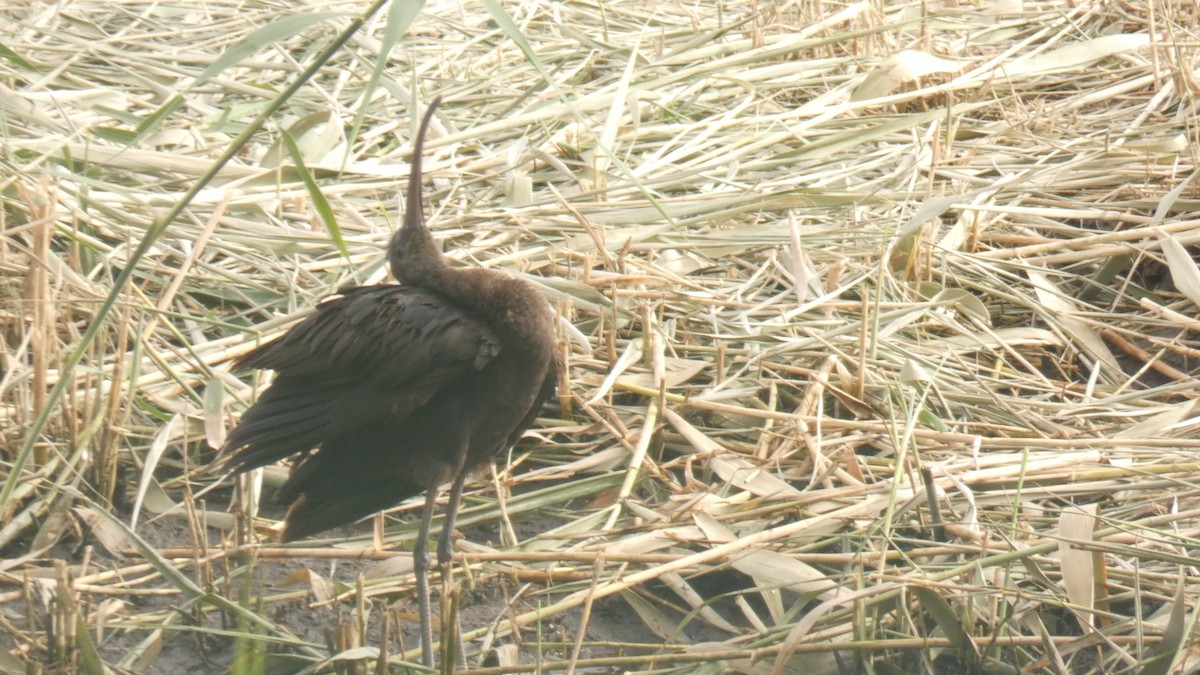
(412, 252)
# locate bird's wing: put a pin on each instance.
(377, 466)
(368, 355)
(388, 334)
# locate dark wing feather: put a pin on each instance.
(389, 334)
(368, 356)
(375, 467)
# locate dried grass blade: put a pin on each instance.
(1163, 658)
(1055, 302)
(1083, 569)
(168, 433)
(276, 31)
(770, 568)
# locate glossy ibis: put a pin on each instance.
(390, 390)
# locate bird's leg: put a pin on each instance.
(421, 569)
(445, 557)
(443, 552)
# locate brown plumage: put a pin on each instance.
(390, 390)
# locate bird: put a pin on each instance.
(390, 390)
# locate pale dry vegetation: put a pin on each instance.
(881, 321)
